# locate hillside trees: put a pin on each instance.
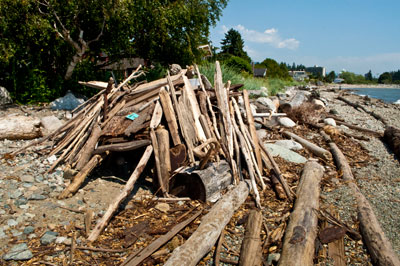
(275, 70)
(233, 44)
(43, 43)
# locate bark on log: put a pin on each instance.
(373, 132)
(298, 245)
(169, 113)
(320, 152)
(88, 148)
(211, 226)
(392, 138)
(164, 157)
(19, 127)
(250, 252)
(101, 224)
(378, 245)
(122, 147)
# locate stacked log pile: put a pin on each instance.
(208, 133)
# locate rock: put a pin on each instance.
(2, 234)
(19, 252)
(61, 240)
(36, 196)
(5, 97)
(16, 127)
(333, 111)
(261, 134)
(27, 179)
(286, 122)
(28, 230)
(50, 124)
(318, 102)
(15, 194)
(68, 102)
(162, 206)
(289, 144)
(284, 153)
(48, 237)
(273, 257)
(52, 159)
(262, 92)
(12, 222)
(330, 122)
(175, 69)
(267, 102)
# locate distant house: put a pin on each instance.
(259, 72)
(299, 75)
(317, 71)
(338, 80)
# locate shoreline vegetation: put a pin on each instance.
(377, 86)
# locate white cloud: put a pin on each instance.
(269, 36)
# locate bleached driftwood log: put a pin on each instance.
(318, 151)
(19, 127)
(298, 245)
(378, 245)
(211, 226)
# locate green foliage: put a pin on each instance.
(275, 70)
(274, 85)
(368, 76)
(34, 58)
(385, 78)
(330, 77)
(238, 63)
(352, 78)
(233, 44)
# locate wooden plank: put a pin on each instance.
(169, 114)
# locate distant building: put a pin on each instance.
(338, 80)
(259, 72)
(299, 75)
(317, 71)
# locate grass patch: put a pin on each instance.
(250, 83)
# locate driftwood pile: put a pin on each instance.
(205, 132)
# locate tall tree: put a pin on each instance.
(275, 70)
(368, 76)
(233, 44)
(385, 78)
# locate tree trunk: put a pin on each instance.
(298, 245)
(71, 67)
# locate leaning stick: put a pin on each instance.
(125, 192)
(317, 151)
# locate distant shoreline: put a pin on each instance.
(377, 86)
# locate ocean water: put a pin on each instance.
(388, 95)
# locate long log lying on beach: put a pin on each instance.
(378, 245)
(318, 151)
(250, 252)
(19, 127)
(373, 132)
(358, 106)
(298, 245)
(211, 226)
(296, 101)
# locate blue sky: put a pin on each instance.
(355, 35)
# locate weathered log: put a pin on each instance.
(101, 224)
(318, 151)
(373, 132)
(164, 157)
(19, 127)
(250, 121)
(204, 238)
(298, 99)
(169, 114)
(122, 147)
(250, 252)
(358, 106)
(392, 138)
(298, 244)
(88, 148)
(137, 258)
(80, 177)
(378, 245)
